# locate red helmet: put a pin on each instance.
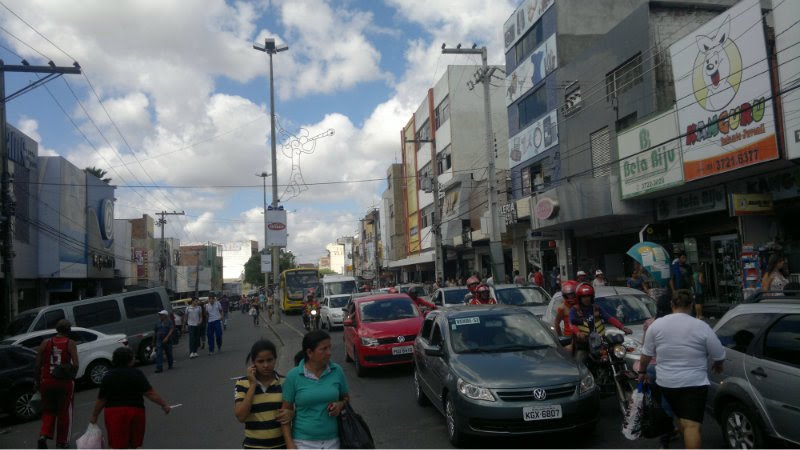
(568, 291)
(472, 283)
(481, 289)
(393, 290)
(585, 290)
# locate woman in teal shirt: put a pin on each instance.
(317, 390)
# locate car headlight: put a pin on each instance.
(632, 345)
(474, 392)
(369, 342)
(619, 351)
(587, 383)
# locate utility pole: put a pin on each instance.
(436, 226)
(162, 260)
(484, 75)
(376, 240)
(270, 48)
(10, 305)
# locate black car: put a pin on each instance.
(16, 381)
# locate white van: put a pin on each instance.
(336, 292)
(133, 314)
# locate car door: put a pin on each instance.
(775, 373)
(420, 358)
(324, 310)
(437, 365)
(349, 332)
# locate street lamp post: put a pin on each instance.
(270, 49)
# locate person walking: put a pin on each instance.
(599, 279)
(226, 304)
(214, 315)
(774, 279)
(316, 390)
(680, 274)
(194, 317)
(121, 395)
(555, 280)
(519, 280)
(55, 381)
(163, 339)
(699, 288)
(683, 345)
(258, 397)
(255, 311)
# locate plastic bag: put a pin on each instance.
(353, 430)
(93, 438)
(632, 422)
(253, 312)
(655, 420)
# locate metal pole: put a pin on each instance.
(437, 219)
(276, 271)
(9, 300)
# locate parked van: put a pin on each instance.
(133, 313)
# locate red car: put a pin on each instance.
(379, 330)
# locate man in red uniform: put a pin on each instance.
(56, 392)
(420, 302)
(482, 296)
(562, 312)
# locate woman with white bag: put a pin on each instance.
(122, 395)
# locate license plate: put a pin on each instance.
(404, 350)
(530, 413)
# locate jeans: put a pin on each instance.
(194, 338)
(162, 348)
(214, 330)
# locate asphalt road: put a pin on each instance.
(384, 397)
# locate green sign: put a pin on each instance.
(650, 156)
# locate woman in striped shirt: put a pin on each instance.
(258, 398)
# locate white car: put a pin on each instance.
(332, 311)
(94, 349)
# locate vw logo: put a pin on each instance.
(539, 394)
(401, 338)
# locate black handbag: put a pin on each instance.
(65, 370)
(353, 430)
(655, 420)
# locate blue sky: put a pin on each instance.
(190, 98)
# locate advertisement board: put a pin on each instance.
(536, 138)
(691, 203)
(523, 19)
(266, 262)
(532, 70)
(723, 93)
(650, 156)
(787, 35)
(750, 204)
(276, 228)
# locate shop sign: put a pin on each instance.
(21, 148)
(780, 185)
(276, 228)
(650, 156)
(546, 208)
(750, 204)
(787, 35)
(691, 203)
(532, 70)
(509, 213)
(522, 19)
(536, 138)
(723, 91)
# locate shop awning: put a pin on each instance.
(422, 258)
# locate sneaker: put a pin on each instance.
(193, 355)
(42, 442)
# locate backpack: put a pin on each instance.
(63, 370)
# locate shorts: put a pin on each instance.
(687, 402)
(125, 426)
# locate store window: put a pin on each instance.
(532, 107)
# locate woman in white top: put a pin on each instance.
(773, 278)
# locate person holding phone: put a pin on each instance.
(257, 398)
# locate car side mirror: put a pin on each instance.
(348, 322)
(434, 350)
(565, 340)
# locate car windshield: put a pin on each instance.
(341, 287)
(498, 333)
(627, 308)
(522, 296)
(21, 323)
(339, 302)
(387, 310)
(455, 296)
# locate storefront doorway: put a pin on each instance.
(726, 284)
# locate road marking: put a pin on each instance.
(175, 406)
(299, 333)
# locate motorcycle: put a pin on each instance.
(311, 319)
(606, 362)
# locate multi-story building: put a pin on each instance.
(324, 263)
(235, 255)
(336, 257)
(368, 247)
(393, 230)
(200, 269)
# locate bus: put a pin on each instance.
(294, 286)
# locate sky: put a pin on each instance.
(173, 101)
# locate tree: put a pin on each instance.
(99, 173)
(327, 272)
(252, 269)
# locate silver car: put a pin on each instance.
(533, 298)
(630, 306)
(449, 296)
(757, 395)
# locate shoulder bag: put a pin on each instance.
(353, 430)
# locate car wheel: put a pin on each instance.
(96, 371)
(740, 428)
(330, 325)
(422, 399)
(360, 370)
(21, 406)
(455, 435)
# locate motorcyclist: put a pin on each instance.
(310, 304)
(482, 296)
(393, 290)
(587, 317)
(472, 285)
(421, 303)
(562, 312)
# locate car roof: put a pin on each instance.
(768, 306)
(453, 288)
(379, 297)
(479, 310)
(51, 330)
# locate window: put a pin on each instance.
(624, 77)
(142, 305)
(426, 328)
(427, 217)
(537, 178)
(436, 336)
(35, 342)
(424, 132)
(49, 319)
(738, 332)
(442, 112)
(81, 337)
(625, 122)
(532, 107)
(424, 175)
(443, 160)
(94, 314)
(601, 153)
(525, 46)
(781, 343)
(572, 101)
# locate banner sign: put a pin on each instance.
(781, 185)
(750, 204)
(276, 228)
(538, 137)
(266, 262)
(723, 93)
(787, 35)
(523, 19)
(650, 156)
(691, 203)
(532, 70)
